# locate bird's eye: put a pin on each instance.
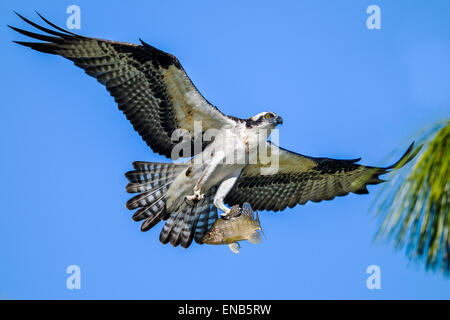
(268, 116)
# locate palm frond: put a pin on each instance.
(414, 206)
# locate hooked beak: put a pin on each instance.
(279, 120)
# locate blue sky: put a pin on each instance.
(343, 91)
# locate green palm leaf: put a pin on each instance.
(414, 206)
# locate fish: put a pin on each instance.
(238, 225)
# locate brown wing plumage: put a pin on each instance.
(301, 178)
(150, 86)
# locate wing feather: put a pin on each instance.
(150, 86)
(301, 178)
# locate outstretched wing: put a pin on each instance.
(149, 85)
(301, 178)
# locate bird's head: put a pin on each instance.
(265, 120)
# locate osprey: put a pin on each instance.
(158, 98)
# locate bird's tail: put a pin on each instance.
(186, 223)
(189, 222)
(151, 180)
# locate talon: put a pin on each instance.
(226, 214)
(195, 197)
(199, 196)
(190, 198)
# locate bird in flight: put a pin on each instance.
(153, 91)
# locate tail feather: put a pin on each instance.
(177, 232)
(150, 210)
(148, 198)
(151, 180)
(152, 220)
(146, 186)
(171, 229)
(142, 178)
(178, 225)
(187, 231)
(188, 222)
(158, 167)
(164, 236)
(192, 222)
(150, 171)
(206, 219)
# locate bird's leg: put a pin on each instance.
(206, 174)
(222, 192)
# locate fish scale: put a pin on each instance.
(240, 224)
